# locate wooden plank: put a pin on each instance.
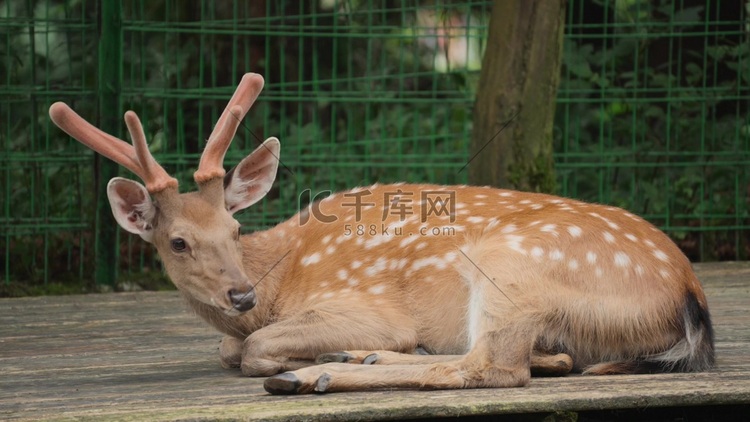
(135, 356)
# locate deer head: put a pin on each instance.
(194, 233)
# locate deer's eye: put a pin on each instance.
(179, 245)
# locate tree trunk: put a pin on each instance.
(520, 74)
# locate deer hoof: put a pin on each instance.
(323, 382)
(370, 359)
(285, 383)
(340, 357)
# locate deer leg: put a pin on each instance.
(542, 365)
(547, 365)
(500, 358)
(295, 342)
(230, 352)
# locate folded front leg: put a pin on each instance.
(295, 342)
(541, 364)
(500, 358)
(230, 352)
(339, 377)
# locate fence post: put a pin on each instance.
(110, 121)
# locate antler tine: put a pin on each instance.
(157, 179)
(211, 163)
(109, 146)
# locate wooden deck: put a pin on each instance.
(136, 356)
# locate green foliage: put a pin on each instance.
(654, 122)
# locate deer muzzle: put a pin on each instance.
(242, 301)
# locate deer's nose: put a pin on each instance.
(242, 301)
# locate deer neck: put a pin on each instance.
(266, 257)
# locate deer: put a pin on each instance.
(407, 286)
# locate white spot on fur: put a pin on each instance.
(613, 225)
(378, 240)
(575, 231)
(649, 243)
(639, 269)
(537, 252)
(608, 237)
(536, 207)
(356, 264)
(480, 204)
(407, 241)
(438, 262)
(664, 273)
(310, 259)
(549, 228)
(475, 220)
(516, 247)
(556, 255)
(342, 238)
(510, 228)
(573, 264)
(327, 295)
(506, 194)
(330, 250)
(631, 216)
(622, 259)
(480, 196)
(661, 255)
(376, 267)
(591, 257)
(377, 289)
(421, 246)
(352, 282)
(343, 274)
(327, 239)
(631, 237)
(525, 201)
(514, 243)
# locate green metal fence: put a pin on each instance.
(652, 110)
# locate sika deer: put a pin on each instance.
(494, 284)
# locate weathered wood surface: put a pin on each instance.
(139, 356)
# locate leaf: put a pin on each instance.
(577, 60)
(689, 14)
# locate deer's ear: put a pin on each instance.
(132, 206)
(253, 177)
